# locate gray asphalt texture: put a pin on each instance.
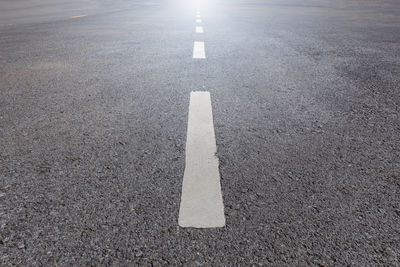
(93, 119)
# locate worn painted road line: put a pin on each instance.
(199, 50)
(199, 29)
(198, 20)
(201, 200)
(198, 16)
(80, 16)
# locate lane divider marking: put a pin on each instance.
(199, 29)
(201, 200)
(80, 16)
(199, 50)
(198, 20)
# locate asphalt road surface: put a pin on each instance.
(94, 104)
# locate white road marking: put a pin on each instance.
(80, 16)
(201, 201)
(198, 16)
(198, 50)
(199, 29)
(198, 20)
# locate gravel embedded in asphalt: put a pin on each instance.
(93, 120)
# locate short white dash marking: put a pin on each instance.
(198, 16)
(198, 50)
(198, 20)
(201, 201)
(80, 16)
(199, 29)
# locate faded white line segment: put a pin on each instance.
(80, 16)
(201, 201)
(198, 16)
(199, 29)
(198, 20)
(199, 50)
